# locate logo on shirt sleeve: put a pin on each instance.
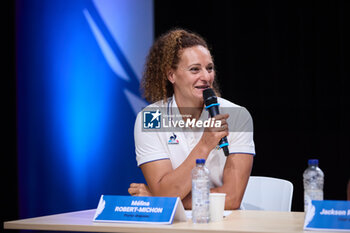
(151, 119)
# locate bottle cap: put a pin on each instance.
(200, 161)
(313, 162)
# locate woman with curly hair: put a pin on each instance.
(178, 68)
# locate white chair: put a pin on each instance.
(267, 193)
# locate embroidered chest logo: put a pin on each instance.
(173, 140)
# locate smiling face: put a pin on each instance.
(194, 73)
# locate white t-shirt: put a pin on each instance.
(176, 143)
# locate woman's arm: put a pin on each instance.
(235, 178)
(163, 180)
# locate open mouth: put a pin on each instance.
(202, 87)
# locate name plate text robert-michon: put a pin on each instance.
(133, 209)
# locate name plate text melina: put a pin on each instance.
(133, 209)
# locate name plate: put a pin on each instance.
(133, 209)
(328, 215)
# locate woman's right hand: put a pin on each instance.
(212, 135)
(139, 189)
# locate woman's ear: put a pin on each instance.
(171, 76)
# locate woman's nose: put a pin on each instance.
(206, 75)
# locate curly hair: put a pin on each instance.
(163, 56)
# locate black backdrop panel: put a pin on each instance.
(286, 63)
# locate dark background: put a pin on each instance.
(8, 164)
(285, 61)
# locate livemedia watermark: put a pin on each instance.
(171, 120)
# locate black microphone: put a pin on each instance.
(212, 106)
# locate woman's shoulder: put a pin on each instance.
(154, 106)
(226, 103)
(240, 119)
(233, 109)
(158, 104)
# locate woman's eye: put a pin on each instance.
(194, 69)
(210, 69)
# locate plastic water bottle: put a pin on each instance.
(200, 193)
(313, 183)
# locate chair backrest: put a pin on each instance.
(267, 193)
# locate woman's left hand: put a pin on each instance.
(139, 189)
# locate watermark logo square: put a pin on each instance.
(152, 119)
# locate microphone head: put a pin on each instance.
(209, 97)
